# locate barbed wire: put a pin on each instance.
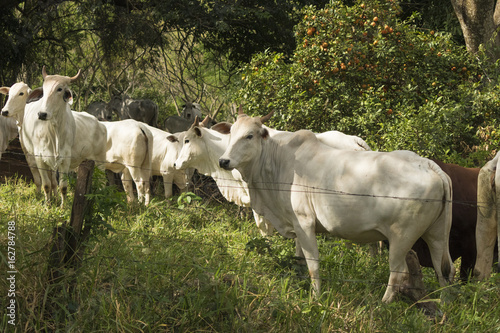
(225, 183)
(169, 239)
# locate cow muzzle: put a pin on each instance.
(5, 113)
(42, 115)
(224, 164)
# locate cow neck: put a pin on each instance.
(264, 168)
(216, 144)
(19, 117)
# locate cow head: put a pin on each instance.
(193, 146)
(191, 110)
(16, 101)
(56, 94)
(245, 141)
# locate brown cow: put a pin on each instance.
(463, 228)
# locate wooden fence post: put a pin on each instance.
(66, 240)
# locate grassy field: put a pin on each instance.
(198, 267)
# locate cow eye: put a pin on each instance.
(59, 89)
(20, 94)
(186, 141)
(249, 137)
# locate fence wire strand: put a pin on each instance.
(306, 189)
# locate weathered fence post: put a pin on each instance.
(66, 240)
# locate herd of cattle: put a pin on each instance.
(299, 183)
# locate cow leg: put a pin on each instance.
(437, 238)
(168, 179)
(34, 171)
(486, 224)
(265, 227)
(180, 180)
(127, 185)
(46, 176)
(375, 249)
(63, 186)
(299, 254)
(141, 180)
(63, 177)
(306, 236)
(485, 239)
(399, 277)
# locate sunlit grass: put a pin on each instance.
(202, 268)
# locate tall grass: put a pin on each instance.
(204, 269)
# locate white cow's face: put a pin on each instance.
(56, 94)
(245, 143)
(18, 95)
(193, 149)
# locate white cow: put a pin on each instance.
(90, 135)
(303, 187)
(48, 130)
(488, 221)
(202, 148)
(15, 109)
(129, 150)
(127, 146)
(166, 148)
(8, 131)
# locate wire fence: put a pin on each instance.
(231, 183)
(126, 262)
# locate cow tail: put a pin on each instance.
(146, 163)
(446, 268)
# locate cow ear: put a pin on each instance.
(35, 95)
(224, 128)
(68, 97)
(4, 90)
(264, 133)
(172, 138)
(197, 131)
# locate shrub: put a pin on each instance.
(360, 70)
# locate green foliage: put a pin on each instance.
(360, 70)
(186, 198)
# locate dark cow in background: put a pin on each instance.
(176, 124)
(144, 110)
(463, 230)
(190, 111)
(100, 110)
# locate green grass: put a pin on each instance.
(203, 269)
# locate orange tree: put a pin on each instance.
(360, 70)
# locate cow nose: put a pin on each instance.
(5, 113)
(224, 163)
(42, 115)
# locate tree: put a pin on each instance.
(480, 20)
(361, 70)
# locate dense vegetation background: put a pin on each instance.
(397, 74)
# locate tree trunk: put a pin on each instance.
(479, 20)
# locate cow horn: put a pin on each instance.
(76, 77)
(266, 117)
(44, 72)
(240, 111)
(196, 122)
(205, 121)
